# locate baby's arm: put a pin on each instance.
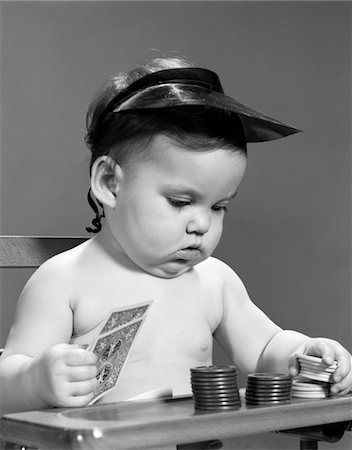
(255, 344)
(244, 329)
(39, 368)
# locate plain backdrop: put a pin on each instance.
(288, 233)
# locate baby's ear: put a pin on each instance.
(105, 180)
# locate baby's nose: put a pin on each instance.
(199, 223)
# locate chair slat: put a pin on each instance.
(32, 251)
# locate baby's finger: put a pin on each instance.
(82, 373)
(343, 387)
(77, 401)
(322, 348)
(293, 364)
(345, 391)
(79, 388)
(78, 356)
(328, 356)
(343, 367)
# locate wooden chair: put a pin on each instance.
(32, 251)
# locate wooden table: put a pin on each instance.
(157, 423)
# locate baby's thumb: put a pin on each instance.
(293, 364)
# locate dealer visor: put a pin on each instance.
(194, 86)
(257, 126)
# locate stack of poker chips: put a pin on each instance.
(268, 389)
(215, 388)
(314, 377)
(309, 389)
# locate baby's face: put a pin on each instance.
(170, 206)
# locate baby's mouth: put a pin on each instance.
(188, 253)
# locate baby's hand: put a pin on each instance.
(330, 351)
(65, 375)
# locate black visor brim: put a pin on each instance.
(257, 126)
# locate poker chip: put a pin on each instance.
(315, 375)
(309, 389)
(314, 360)
(215, 388)
(314, 378)
(318, 367)
(268, 389)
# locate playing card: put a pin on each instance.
(112, 349)
(122, 316)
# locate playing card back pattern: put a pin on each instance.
(119, 318)
(113, 344)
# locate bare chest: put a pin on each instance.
(179, 323)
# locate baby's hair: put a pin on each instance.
(124, 135)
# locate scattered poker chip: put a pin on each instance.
(268, 389)
(215, 388)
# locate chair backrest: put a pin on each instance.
(32, 251)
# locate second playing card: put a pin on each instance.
(122, 316)
(112, 349)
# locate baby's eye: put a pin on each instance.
(219, 208)
(177, 203)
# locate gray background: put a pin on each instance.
(288, 232)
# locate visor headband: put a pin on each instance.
(189, 75)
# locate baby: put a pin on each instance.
(168, 157)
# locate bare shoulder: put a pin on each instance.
(59, 268)
(44, 313)
(227, 281)
(53, 283)
(216, 269)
